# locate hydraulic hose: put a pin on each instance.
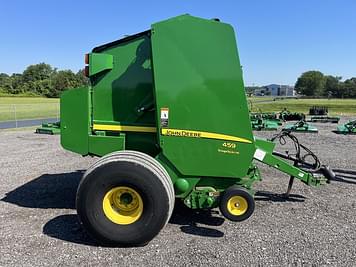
(302, 153)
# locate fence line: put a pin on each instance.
(20, 112)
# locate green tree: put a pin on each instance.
(62, 80)
(39, 87)
(311, 83)
(332, 85)
(349, 88)
(41, 79)
(17, 83)
(37, 72)
(5, 83)
(82, 79)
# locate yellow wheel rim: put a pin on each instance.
(237, 205)
(123, 205)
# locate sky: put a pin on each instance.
(277, 39)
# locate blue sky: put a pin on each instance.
(277, 39)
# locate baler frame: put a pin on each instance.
(168, 122)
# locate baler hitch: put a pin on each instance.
(344, 175)
(299, 159)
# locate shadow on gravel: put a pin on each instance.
(189, 220)
(274, 197)
(49, 191)
(67, 228)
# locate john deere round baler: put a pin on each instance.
(166, 111)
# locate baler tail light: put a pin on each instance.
(86, 59)
(86, 68)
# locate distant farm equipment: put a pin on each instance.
(347, 128)
(301, 126)
(316, 110)
(286, 115)
(49, 128)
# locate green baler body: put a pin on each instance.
(188, 66)
(174, 92)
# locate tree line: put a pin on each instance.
(44, 80)
(41, 80)
(315, 83)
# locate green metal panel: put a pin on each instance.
(99, 63)
(198, 78)
(102, 145)
(75, 120)
(125, 94)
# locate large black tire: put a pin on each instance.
(125, 169)
(236, 204)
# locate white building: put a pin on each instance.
(275, 90)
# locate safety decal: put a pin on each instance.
(164, 117)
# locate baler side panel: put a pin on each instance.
(198, 78)
(75, 120)
(123, 94)
(118, 93)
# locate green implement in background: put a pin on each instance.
(49, 128)
(286, 115)
(167, 113)
(264, 125)
(262, 121)
(347, 128)
(324, 119)
(301, 126)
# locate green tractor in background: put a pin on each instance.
(167, 113)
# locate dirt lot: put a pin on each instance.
(38, 224)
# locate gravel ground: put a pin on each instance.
(316, 226)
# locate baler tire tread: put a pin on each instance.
(236, 190)
(142, 161)
(167, 182)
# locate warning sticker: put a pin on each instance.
(164, 117)
(259, 154)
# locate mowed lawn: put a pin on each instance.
(38, 107)
(335, 106)
(28, 108)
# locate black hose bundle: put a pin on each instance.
(303, 156)
(305, 159)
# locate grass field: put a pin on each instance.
(38, 107)
(336, 106)
(28, 108)
(260, 98)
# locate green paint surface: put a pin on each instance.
(198, 77)
(183, 74)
